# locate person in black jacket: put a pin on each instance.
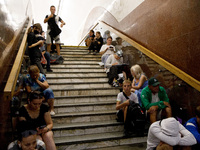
(34, 46)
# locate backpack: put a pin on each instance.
(135, 120)
(56, 59)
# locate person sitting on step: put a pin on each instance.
(35, 81)
(106, 50)
(169, 134)
(123, 104)
(36, 113)
(96, 44)
(27, 138)
(114, 66)
(193, 125)
(90, 38)
(155, 100)
(139, 82)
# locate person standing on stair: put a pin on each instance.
(36, 81)
(53, 30)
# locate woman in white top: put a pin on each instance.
(106, 50)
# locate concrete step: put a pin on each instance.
(78, 85)
(85, 91)
(74, 80)
(85, 99)
(81, 59)
(85, 128)
(89, 116)
(74, 52)
(81, 56)
(76, 74)
(74, 62)
(96, 141)
(92, 66)
(137, 146)
(80, 63)
(74, 70)
(84, 107)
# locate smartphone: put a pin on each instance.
(43, 126)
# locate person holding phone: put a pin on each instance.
(106, 50)
(37, 114)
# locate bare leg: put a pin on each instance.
(48, 140)
(125, 112)
(164, 146)
(168, 112)
(153, 116)
(48, 48)
(51, 104)
(58, 49)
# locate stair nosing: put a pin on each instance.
(86, 125)
(114, 136)
(83, 96)
(76, 77)
(74, 89)
(87, 113)
(64, 83)
(85, 104)
(55, 72)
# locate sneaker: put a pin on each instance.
(101, 64)
(52, 113)
(94, 53)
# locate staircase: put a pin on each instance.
(85, 104)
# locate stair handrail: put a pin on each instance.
(14, 73)
(87, 33)
(173, 69)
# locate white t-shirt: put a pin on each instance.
(155, 98)
(111, 60)
(108, 52)
(121, 98)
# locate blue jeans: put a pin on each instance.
(47, 57)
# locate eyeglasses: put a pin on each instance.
(28, 133)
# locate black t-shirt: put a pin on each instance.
(36, 122)
(57, 19)
(34, 51)
(100, 40)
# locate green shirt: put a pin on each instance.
(146, 98)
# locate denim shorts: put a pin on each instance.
(48, 94)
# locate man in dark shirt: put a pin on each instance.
(52, 17)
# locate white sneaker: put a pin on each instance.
(52, 113)
(101, 64)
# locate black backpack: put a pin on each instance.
(135, 120)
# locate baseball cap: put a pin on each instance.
(119, 53)
(153, 81)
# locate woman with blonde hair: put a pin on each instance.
(140, 81)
